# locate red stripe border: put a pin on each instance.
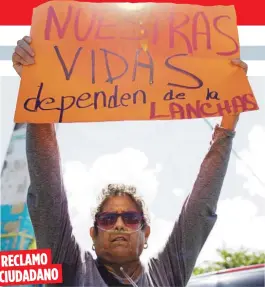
(249, 13)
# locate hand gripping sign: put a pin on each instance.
(98, 62)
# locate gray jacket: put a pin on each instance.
(47, 203)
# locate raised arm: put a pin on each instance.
(198, 214)
(47, 201)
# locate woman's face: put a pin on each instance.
(124, 241)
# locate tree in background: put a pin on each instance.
(231, 259)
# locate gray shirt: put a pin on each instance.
(173, 266)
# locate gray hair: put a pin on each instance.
(120, 190)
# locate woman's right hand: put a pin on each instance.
(23, 54)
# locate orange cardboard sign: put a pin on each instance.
(100, 62)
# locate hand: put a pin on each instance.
(241, 64)
(229, 122)
(23, 54)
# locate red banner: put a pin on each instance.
(26, 267)
(248, 12)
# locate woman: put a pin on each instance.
(121, 227)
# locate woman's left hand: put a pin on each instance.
(241, 64)
(230, 121)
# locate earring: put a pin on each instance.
(145, 245)
(93, 247)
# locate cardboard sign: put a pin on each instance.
(99, 62)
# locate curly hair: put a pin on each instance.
(112, 190)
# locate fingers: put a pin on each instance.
(18, 60)
(240, 64)
(27, 39)
(23, 54)
(25, 45)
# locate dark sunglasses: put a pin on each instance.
(132, 219)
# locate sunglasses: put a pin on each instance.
(132, 219)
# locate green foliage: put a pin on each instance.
(231, 259)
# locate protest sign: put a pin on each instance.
(98, 62)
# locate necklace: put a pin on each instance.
(127, 278)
